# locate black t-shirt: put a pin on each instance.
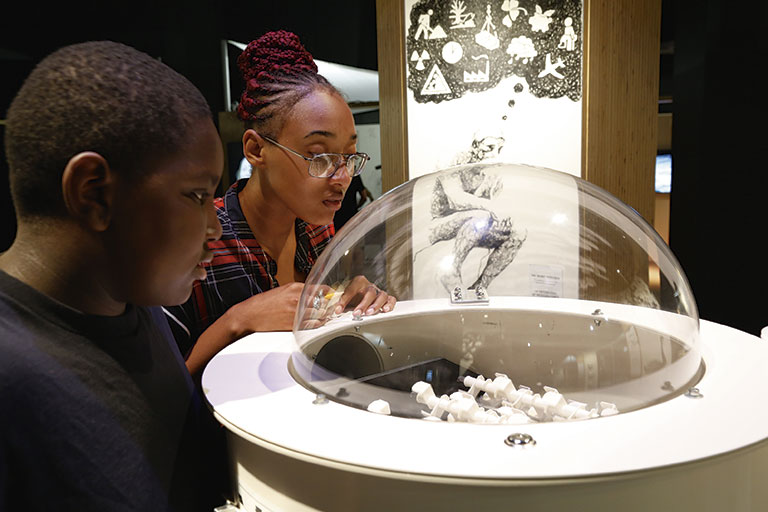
(96, 413)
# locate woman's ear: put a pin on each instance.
(253, 146)
(88, 186)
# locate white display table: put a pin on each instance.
(293, 452)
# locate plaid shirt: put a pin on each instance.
(240, 269)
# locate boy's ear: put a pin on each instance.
(88, 186)
(253, 145)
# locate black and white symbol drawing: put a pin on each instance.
(463, 214)
(551, 69)
(481, 75)
(435, 83)
(426, 30)
(513, 9)
(487, 37)
(568, 39)
(452, 52)
(438, 33)
(459, 16)
(521, 48)
(419, 59)
(516, 35)
(541, 19)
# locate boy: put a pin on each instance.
(114, 160)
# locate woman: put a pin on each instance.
(301, 143)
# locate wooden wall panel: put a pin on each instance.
(393, 115)
(621, 93)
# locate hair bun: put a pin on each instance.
(275, 53)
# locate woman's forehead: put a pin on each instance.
(320, 114)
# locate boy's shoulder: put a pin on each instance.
(79, 418)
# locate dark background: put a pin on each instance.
(712, 61)
(186, 35)
(718, 209)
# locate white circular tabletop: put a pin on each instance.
(252, 393)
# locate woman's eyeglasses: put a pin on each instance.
(325, 165)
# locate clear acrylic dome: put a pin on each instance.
(523, 294)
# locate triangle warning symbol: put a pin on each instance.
(435, 83)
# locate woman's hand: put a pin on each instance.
(366, 298)
(273, 310)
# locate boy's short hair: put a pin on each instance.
(97, 96)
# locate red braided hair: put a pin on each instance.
(278, 72)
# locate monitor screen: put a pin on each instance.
(664, 173)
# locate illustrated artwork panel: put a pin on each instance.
(497, 80)
(476, 226)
